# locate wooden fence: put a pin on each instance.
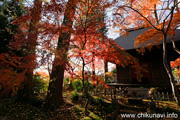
(130, 92)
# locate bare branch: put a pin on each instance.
(172, 9)
(171, 17)
(155, 13)
(177, 9)
(174, 46)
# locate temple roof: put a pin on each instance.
(127, 42)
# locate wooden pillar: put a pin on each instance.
(114, 91)
(118, 71)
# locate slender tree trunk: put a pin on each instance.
(85, 90)
(27, 87)
(93, 66)
(169, 72)
(33, 36)
(105, 70)
(54, 96)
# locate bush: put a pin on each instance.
(100, 101)
(39, 84)
(89, 85)
(85, 95)
(66, 84)
(66, 80)
(97, 101)
(74, 96)
(77, 85)
(93, 101)
(111, 108)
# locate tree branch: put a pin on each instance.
(174, 46)
(171, 17)
(155, 14)
(141, 16)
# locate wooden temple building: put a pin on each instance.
(152, 61)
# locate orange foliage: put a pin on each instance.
(87, 42)
(90, 45)
(10, 81)
(175, 63)
(41, 73)
(99, 80)
(147, 40)
(162, 16)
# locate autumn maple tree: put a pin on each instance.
(89, 43)
(27, 27)
(63, 30)
(22, 48)
(54, 96)
(9, 70)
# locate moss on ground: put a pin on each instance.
(99, 108)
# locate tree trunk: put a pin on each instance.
(33, 36)
(85, 87)
(93, 65)
(54, 96)
(169, 72)
(105, 71)
(26, 91)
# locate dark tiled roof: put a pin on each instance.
(127, 42)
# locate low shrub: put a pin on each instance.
(77, 85)
(100, 101)
(67, 83)
(40, 85)
(74, 97)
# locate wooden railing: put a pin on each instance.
(128, 90)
